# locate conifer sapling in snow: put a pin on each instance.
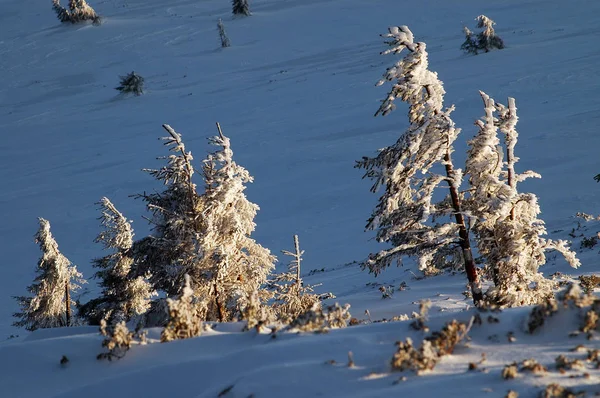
(292, 297)
(506, 222)
(403, 214)
(124, 295)
(485, 40)
(241, 7)
(233, 265)
(184, 316)
(56, 278)
(131, 83)
(222, 34)
(79, 11)
(173, 249)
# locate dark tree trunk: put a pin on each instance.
(68, 303)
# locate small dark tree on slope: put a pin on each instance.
(131, 83)
(405, 169)
(222, 34)
(56, 278)
(79, 11)
(485, 41)
(124, 295)
(241, 7)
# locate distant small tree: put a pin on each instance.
(241, 7)
(222, 34)
(124, 295)
(405, 169)
(509, 232)
(56, 278)
(131, 83)
(485, 40)
(292, 296)
(79, 11)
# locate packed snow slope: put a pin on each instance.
(295, 93)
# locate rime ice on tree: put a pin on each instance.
(509, 232)
(485, 40)
(79, 11)
(240, 7)
(56, 278)
(124, 295)
(405, 169)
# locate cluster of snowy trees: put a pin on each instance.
(199, 264)
(503, 222)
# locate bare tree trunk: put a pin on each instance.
(465, 244)
(298, 258)
(510, 154)
(68, 303)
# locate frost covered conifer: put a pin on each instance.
(405, 169)
(79, 11)
(232, 263)
(172, 251)
(222, 34)
(131, 83)
(124, 295)
(509, 232)
(241, 7)
(485, 40)
(292, 297)
(184, 316)
(56, 278)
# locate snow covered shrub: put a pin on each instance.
(256, 313)
(222, 34)
(506, 224)
(124, 295)
(241, 7)
(184, 316)
(406, 170)
(56, 278)
(318, 319)
(79, 11)
(292, 296)
(131, 83)
(485, 40)
(118, 340)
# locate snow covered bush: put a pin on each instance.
(241, 7)
(319, 319)
(404, 212)
(222, 34)
(79, 11)
(505, 222)
(124, 295)
(56, 278)
(118, 340)
(131, 83)
(485, 40)
(292, 296)
(184, 316)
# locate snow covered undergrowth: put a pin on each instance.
(295, 93)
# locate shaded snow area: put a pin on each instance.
(295, 93)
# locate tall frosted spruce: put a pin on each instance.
(509, 232)
(124, 295)
(403, 214)
(50, 305)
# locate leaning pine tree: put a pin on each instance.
(124, 295)
(56, 278)
(233, 265)
(406, 171)
(505, 221)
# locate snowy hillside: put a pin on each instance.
(296, 94)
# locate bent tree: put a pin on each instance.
(411, 170)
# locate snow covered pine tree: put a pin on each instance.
(57, 277)
(241, 7)
(485, 40)
(509, 232)
(79, 11)
(405, 169)
(124, 295)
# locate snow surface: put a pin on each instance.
(295, 93)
